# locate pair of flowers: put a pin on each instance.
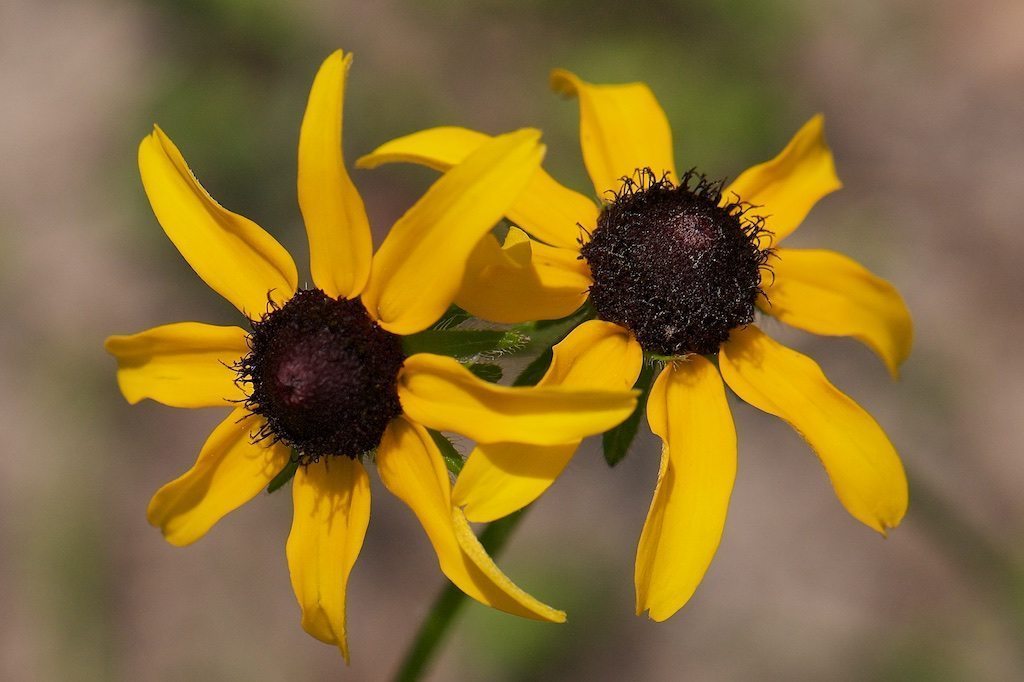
(674, 267)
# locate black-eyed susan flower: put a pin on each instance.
(675, 267)
(321, 379)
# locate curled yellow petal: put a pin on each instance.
(826, 293)
(232, 254)
(419, 267)
(546, 209)
(622, 129)
(522, 280)
(230, 471)
(499, 478)
(340, 243)
(862, 464)
(411, 467)
(187, 364)
(438, 148)
(785, 189)
(331, 500)
(442, 394)
(687, 409)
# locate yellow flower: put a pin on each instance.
(674, 267)
(323, 374)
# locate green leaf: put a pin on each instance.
(286, 475)
(535, 370)
(545, 335)
(486, 371)
(616, 442)
(452, 318)
(465, 343)
(452, 457)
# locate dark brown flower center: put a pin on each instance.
(673, 266)
(323, 375)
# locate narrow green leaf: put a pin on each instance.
(465, 343)
(546, 333)
(286, 475)
(486, 371)
(452, 457)
(616, 442)
(535, 370)
(552, 333)
(452, 318)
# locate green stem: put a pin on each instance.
(493, 538)
(449, 604)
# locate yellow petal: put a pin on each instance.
(522, 280)
(500, 478)
(622, 129)
(826, 293)
(411, 467)
(688, 410)
(187, 364)
(786, 188)
(332, 510)
(419, 267)
(232, 254)
(340, 243)
(230, 471)
(546, 209)
(861, 462)
(442, 394)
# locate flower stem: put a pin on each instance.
(544, 336)
(449, 603)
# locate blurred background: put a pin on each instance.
(924, 101)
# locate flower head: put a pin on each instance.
(675, 267)
(321, 379)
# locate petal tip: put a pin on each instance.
(526, 135)
(368, 161)
(338, 58)
(564, 82)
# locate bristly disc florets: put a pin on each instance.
(323, 375)
(673, 266)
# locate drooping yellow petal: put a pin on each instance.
(861, 462)
(546, 209)
(688, 411)
(826, 293)
(332, 510)
(419, 267)
(622, 129)
(499, 478)
(230, 471)
(411, 467)
(786, 188)
(340, 243)
(442, 394)
(188, 364)
(232, 254)
(522, 280)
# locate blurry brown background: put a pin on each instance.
(925, 104)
